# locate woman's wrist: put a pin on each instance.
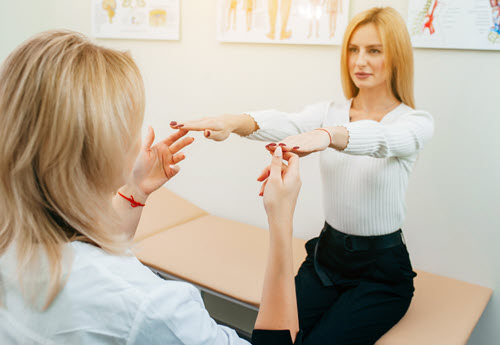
(281, 224)
(133, 190)
(242, 124)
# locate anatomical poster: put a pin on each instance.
(136, 19)
(455, 24)
(282, 21)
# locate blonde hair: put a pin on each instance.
(398, 52)
(71, 113)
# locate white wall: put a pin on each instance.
(453, 224)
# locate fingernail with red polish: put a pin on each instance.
(173, 123)
(272, 144)
(208, 133)
(261, 194)
(179, 126)
(296, 147)
(281, 144)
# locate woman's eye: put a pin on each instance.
(353, 50)
(374, 51)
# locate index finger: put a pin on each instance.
(174, 137)
(199, 125)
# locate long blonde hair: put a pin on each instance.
(71, 112)
(398, 52)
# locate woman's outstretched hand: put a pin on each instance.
(220, 127)
(216, 128)
(281, 186)
(303, 144)
(156, 164)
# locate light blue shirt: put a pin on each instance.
(109, 300)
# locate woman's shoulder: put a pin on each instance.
(404, 111)
(120, 270)
(121, 281)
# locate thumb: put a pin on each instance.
(174, 169)
(215, 135)
(149, 139)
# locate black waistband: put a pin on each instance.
(330, 239)
(361, 243)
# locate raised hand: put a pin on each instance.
(304, 144)
(156, 164)
(278, 307)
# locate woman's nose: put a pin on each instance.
(361, 60)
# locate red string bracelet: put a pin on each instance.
(133, 203)
(322, 129)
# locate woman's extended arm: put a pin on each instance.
(267, 125)
(278, 308)
(402, 138)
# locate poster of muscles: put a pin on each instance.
(282, 21)
(136, 19)
(455, 24)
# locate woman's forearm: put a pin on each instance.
(242, 124)
(129, 216)
(278, 308)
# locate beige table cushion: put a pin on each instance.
(165, 209)
(444, 311)
(222, 255)
(230, 257)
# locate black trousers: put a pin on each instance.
(351, 296)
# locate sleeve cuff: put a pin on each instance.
(265, 120)
(270, 126)
(275, 337)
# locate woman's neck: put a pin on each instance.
(377, 100)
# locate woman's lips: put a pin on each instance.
(362, 75)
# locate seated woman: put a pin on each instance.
(356, 282)
(73, 179)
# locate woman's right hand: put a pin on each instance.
(281, 187)
(218, 128)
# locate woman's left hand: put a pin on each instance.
(155, 165)
(303, 144)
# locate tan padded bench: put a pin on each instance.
(157, 217)
(227, 258)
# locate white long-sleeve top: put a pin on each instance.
(365, 184)
(107, 299)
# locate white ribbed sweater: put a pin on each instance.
(364, 185)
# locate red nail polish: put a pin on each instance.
(281, 144)
(272, 144)
(173, 123)
(179, 126)
(261, 194)
(208, 133)
(296, 147)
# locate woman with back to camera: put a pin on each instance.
(357, 280)
(73, 180)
